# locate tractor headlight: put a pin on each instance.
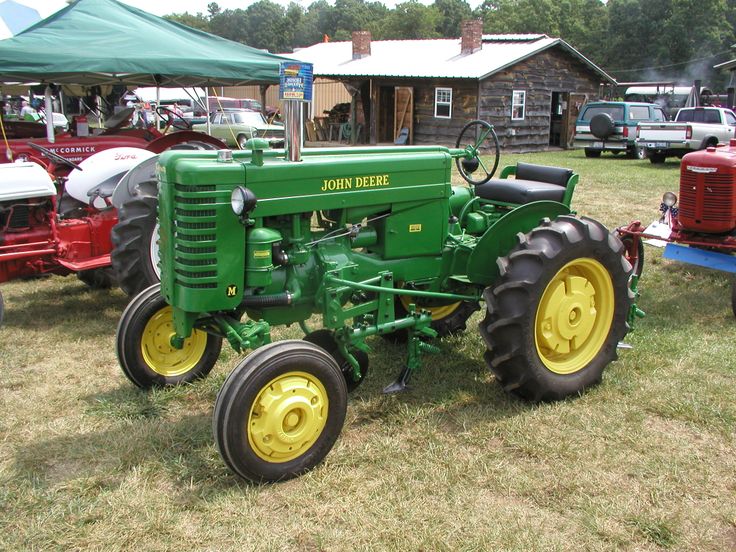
(237, 200)
(242, 200)
(669, 199)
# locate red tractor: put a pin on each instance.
(58, 216)
(699, 227)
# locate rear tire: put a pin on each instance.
(135, 245)
(637, 153)
(446, 319)
(592, 154)
(145, 353)
(557, 312)
(280, 411)
(657, 158)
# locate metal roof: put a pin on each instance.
(438, 58)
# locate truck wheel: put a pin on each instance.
(558, 310)
(447, 319)
(98, 278)
(135, 245)
(637, 153)
(324, 338)
(144, 348)
(280, 411)
(593, 154)
(657, 158)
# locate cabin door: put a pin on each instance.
(404, 113)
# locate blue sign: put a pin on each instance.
(296, 81)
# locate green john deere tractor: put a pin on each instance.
(377, 242)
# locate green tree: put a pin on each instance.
(452, 13)
(198, 21)
(411, 20)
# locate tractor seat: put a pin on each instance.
(532, 183)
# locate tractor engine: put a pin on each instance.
(26, 203)
(708, 190)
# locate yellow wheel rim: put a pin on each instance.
(158, 353)
(287, 417)
(438, 312)
(574, 316)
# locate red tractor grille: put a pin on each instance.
(707, 201)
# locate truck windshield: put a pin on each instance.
(615, 111)
(699, 116)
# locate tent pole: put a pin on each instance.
(49, 112)
(207, 103)
(158, 103)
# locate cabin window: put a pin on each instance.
(518, 105)
(443, 103)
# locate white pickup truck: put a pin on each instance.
(694, 128)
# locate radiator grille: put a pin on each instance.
(708, 201)
(195, 243)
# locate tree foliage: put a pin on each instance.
(630, 39)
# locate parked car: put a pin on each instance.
(694, 128)
(236, 127)
(611, 126)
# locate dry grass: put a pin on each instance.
(645, 461)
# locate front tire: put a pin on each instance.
(280, 411)
(325, 338)
(558, 310)
(135, 245)
(144, 348)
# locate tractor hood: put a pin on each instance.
(23, 180)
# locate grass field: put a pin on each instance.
(645, 461)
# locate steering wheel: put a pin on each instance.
(171, 118)
(476, 138)
(55, 157)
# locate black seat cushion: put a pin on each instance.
(542, 173)
(519, 191)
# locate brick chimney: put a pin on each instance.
(361, 44)
(472, 36)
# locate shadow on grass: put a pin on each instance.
(65, 305)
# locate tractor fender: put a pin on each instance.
(104, 168)
(166, 141)
(501, 237)
(138, 181)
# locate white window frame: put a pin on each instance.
(515, 104)
(437, 102)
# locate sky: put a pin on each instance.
(164, 7)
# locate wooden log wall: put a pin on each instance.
(553, 70)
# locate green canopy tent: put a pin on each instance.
(105, 42)
(94, 42)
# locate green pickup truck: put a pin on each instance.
(611, 126)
